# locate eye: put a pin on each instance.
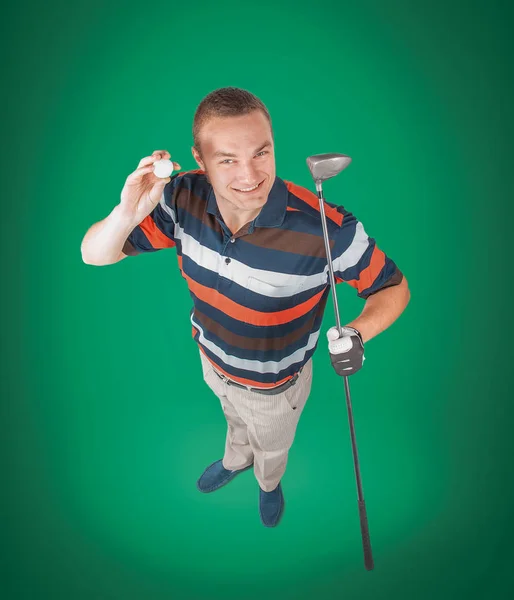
(225, 161)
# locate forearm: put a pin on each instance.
(104, 240)
(381, 310)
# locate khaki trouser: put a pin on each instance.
(261, 428)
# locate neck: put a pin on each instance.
(235, 219)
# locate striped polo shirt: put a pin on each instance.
(259, 293)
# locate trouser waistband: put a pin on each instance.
(269, 391)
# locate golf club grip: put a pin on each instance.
(366, 543)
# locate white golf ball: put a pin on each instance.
(163, 168)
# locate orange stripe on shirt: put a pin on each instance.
(369, 275)
(155, 236)
(313, 201)
(245, 381)
(242, 313)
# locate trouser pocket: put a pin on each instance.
(296, 395)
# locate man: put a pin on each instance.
(250, 246)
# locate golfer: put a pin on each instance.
(250, 246)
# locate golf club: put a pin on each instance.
(323, 167)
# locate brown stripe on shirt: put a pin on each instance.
(197, 207)
(306, 244)
(256, 344)
(129, 249)
(395, 279)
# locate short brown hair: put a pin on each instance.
(226, 102)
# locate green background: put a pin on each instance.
(106, 421)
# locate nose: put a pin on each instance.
(248, 174)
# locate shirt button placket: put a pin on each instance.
(232, 240)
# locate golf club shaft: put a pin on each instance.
(319, 189)
(366, 543)
(363, 516)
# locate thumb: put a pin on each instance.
(160, 184)
(332, 334)
(155, 193)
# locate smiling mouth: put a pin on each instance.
(251, 191)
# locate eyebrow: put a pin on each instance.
(222, 153)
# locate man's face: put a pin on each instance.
(249, 142)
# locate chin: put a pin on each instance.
(259, 200)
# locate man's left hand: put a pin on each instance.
(347, 351)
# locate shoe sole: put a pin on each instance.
(219, 485)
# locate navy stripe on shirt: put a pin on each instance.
(257, 316)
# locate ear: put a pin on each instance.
(197, 158)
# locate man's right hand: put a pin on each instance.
(143, 190)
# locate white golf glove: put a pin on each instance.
(347, 351)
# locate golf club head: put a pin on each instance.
(325, 166)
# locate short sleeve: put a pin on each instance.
(358, 261)
(157, 230)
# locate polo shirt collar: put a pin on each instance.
(272, 213)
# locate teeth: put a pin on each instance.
(248, 189)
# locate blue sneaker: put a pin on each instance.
(271, 506)
(216, 476)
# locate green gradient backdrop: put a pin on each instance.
(106, 421)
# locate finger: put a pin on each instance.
(176, 166)
(162, 153)
(147, 160)
(162, 182)
(157, 155)
(343, 344)
(138, 173)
